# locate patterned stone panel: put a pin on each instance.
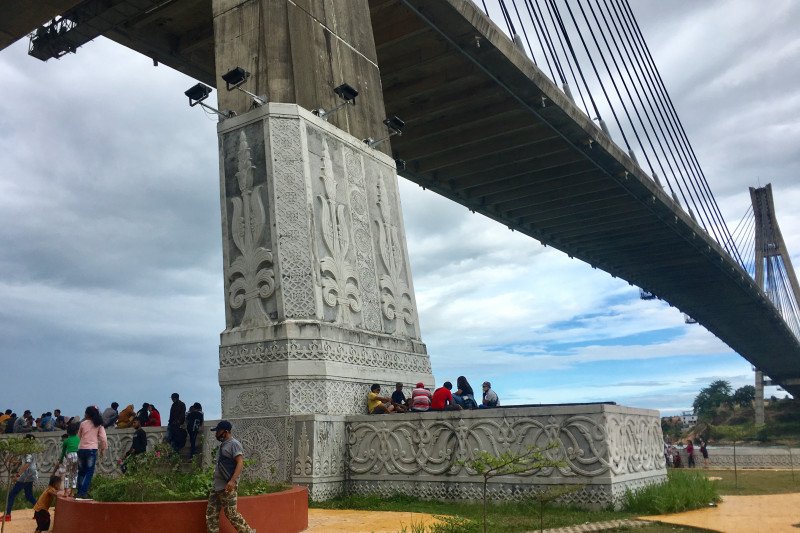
(323, 350)
(330, 449)
(398, 303)
(292, 220)
(249, 277)
(253, 400)
(327, 397)
(362, 236)
(635, 443)
(320, 492)
(432, 449)
(592, 496)
(333, 231)
(438, 447)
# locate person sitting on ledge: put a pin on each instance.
(490, 398)
(443, 399)
(399, 401)
(464, 396)
(377, 404)
(420, 398)
(154, 418)
(126, 417)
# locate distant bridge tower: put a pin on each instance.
(773, 270)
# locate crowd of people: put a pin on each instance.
(84, 442)
(672, 454)
(180, 425)
(422, 399)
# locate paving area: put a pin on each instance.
(345, 521)
(772, 513)
(599, 526)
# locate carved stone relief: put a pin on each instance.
(250, 401)
(250, 276)
(323, 350)
(292, 220)
(330, 450)
(339, 279)
(362, 235)
(395, 294)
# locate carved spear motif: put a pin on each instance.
(251, 276)
(339, 280)
(395, 294)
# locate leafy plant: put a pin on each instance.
(509, 463)
(539, 499)
(12, 452)
(683, 491)
(737, 434)
(162, 475)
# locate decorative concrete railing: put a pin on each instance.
(119, 442)
(605, 450)
(779, 457)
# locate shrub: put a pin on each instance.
(682, 491)
(162, 475)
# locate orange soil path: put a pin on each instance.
(772, 513)
(319, 521)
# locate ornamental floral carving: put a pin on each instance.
(395, 294)
(250, 275)
(303, 463)
(339, 281)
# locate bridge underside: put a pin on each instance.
(487, 129)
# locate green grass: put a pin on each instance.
(502, 517)
(754, 482)
(683, 491)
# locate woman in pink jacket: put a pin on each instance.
(93, 439)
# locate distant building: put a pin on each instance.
(688, 419)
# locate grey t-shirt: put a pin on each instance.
(31, 474)
(226, 462)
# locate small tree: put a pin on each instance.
(509, 463)
(736, 434)
(12, 452)
(540, 498)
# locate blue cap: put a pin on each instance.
(222, 425)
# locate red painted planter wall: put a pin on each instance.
(279, 512)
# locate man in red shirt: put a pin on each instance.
(443, 399)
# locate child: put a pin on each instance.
(45, 501)
(69, 459)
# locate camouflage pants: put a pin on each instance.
(227, 502)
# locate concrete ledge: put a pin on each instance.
(606, 449)
(279, 512)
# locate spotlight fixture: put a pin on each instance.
(400, 164)
(395, 126)
(200, 92)
(346, 93)
(235, 78)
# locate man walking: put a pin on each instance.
(230, 461)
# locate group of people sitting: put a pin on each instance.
(421, 400)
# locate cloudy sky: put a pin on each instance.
(110, 253)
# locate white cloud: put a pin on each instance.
(110, 275)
